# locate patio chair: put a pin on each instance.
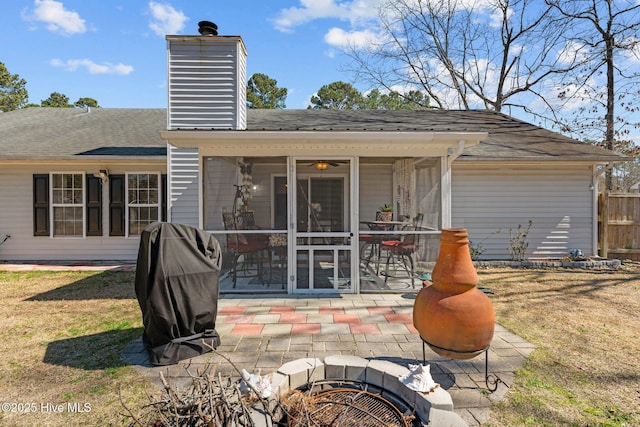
(400, 254)
(247, 249)
(370, 242)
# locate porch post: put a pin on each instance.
(445, 193)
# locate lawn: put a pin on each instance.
(63, 333)
(586, 327)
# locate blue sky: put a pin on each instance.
(115, 51)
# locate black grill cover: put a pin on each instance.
(177, 285)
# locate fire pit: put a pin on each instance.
(353, 391)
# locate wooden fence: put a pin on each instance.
(622, 226)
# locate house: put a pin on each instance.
(292, 195)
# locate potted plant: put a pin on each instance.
(386, 212)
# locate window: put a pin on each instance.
(143, 201)
(67, 203)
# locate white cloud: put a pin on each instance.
(632, 53)
(342, 39)
(57, 19)
(572, 52)
(496, 16)
(571, 99)
(92, 67)
(309, 10)
(166, 20)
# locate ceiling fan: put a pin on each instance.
(324, 164)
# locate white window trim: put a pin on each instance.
(53, 205)
(128, 204)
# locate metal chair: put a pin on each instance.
(371, 243)
(401, 253)
(247, 249)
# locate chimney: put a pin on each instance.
(207, 80)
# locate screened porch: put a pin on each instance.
(307, 225)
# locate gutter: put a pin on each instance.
(81, 159)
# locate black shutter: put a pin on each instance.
(41, 205)
(94, 206)
(163, 197)
(117, 205)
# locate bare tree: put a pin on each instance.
(492, 54)
(606, 33)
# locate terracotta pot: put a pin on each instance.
(386, 216)
(451, 314)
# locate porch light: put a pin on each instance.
(321, 165)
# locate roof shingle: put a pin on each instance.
(62, 132)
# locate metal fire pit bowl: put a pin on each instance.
(349, 406)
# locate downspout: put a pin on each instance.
(455, 154)
(604, 237)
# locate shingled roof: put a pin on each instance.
(508, 138)
(68, 132)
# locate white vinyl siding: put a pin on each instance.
(16, 219)
(184, 186)
(207, 79)
(491, 201)
(376, 189)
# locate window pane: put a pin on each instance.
(152, 197)
(143, 196)
(77, 196)
(140, 218)
(67, 197)
(57, 196)
(67, 221)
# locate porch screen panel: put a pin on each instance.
(427, 197)
(376, 188)
(266, 198)
(220, 178)
(428, 203)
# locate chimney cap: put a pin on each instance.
(207, 28)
